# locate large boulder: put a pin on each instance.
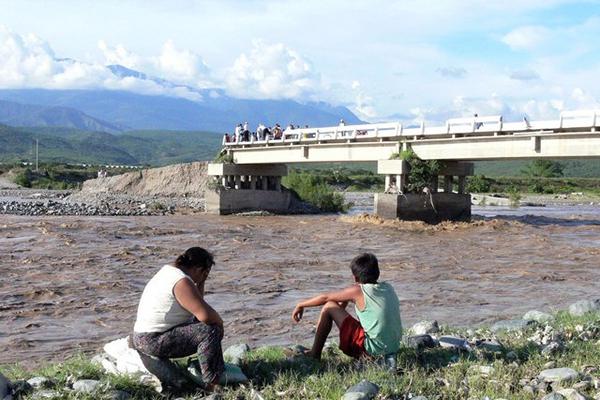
(425, 328)
(558, 375)
(538, 316)
(582, 307)
(511, 325)
(236, 353)
(364, 390)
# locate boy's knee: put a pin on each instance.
(329, 306)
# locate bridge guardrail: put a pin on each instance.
(484, 126)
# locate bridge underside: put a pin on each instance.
(516, 146)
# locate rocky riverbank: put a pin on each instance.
(539, 356)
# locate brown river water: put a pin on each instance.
(70, 284)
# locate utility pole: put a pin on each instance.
(37, 155)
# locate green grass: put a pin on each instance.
(436, 373)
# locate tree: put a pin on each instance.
(543, 169)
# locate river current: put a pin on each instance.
(70, 284)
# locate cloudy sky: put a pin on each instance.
(406, 60)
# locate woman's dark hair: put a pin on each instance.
(196, 257)
(365, 268)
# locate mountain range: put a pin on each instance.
(115, 111)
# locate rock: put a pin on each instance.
(47, 394)
(582, 386)
(482, 370)
(364, 390)
(419, 398)
(236, 353)
(421, 342)
(553, 396)
(425, 328)
(530, 389)
(214, 396)
(492, 346)
(454, 343)
(582, 307)
(256, 395)
(558, 375)
(233, 375)
(511, 325)
(38, 382)
(571, 394)
(86, 385)
(538, 316)
(118, 395)
(551, 349)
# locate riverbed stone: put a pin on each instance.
(553, 396)
(538, 316)
(38, 382)
(454, 342)
(46, 394)
(571, 394)
(118, 395)
(511, 325)
(421, 342)
(364, 390)
(86, 385)
(582, 307)
(558, 375)
(425, 328)
(236, 353)
(493, 346)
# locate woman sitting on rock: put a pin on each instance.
(174, 320)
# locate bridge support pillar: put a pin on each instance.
(431, 207)
(250, 187)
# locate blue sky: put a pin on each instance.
(407, 60)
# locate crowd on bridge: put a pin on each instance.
(242, 132)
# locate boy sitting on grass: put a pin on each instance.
(378, 330)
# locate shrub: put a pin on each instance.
(23, 178)
(514, 195)
(478, 184)
(422, 172)
(224, 157)
(314, 190)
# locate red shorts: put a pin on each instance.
(352, 337)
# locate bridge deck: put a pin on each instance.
(575, 134)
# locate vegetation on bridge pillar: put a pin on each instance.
(423, 173)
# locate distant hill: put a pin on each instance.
(572, 168)
(17, 114)
(130, 148)
(217, 112)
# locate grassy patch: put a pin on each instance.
(436, 373)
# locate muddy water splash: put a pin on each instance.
(72, 283)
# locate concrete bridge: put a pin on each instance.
(574, 134)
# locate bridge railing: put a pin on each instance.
(486, 125)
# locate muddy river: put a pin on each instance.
(70, 284)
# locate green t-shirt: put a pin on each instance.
(380, 319)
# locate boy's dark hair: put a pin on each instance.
(195, 257)
(365, 268)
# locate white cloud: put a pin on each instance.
(119, 55)
(181, 65)
(272, 71)
(29, 62)
(526, 37)
(452, 72)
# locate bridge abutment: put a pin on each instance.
(431, 207)
(248, 187)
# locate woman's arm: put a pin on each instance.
(189, 297)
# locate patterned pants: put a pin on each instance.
(184, 340)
